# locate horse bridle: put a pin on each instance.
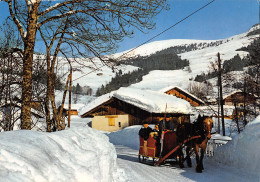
(205, 130)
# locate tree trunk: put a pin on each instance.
(51, 95)
(48, 116)
(27, 69)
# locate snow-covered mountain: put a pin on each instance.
(199, 53)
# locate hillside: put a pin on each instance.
(199, 54)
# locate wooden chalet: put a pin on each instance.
(118, 112)
(135, 114)
(183, 94)
(239, 98)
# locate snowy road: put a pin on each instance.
(138, 172)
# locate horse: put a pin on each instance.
(202, 127)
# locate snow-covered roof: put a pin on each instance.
(227, 95)
(98, 101)
(150, 101)
(173, 87)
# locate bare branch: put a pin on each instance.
(16, 21)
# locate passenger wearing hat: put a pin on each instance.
(166, 124)
(144, 133)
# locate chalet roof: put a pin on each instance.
(234, 92)
(148, 100)
(164, 90)
(95, 103)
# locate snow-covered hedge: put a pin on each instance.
(78, 154)
(243, 151)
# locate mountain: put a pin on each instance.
(199, 54)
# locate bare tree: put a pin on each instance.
(10, 70)
(96, 25)
(201, 89)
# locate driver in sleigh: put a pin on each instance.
(166, 124)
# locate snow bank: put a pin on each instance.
(78, 154)
(128, 137)
(243, 151)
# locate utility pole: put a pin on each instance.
(218, 109)
(221, 94)
(69, 115)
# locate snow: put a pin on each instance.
(151, 101)
(159, 79)
(86, 71)
(153, 47)
(243, 151)
(127, 137)
(79, 154)
(126, 142)
(234, 92)
(199, 61)
(96, 102)
(74, 106)
(84, 154)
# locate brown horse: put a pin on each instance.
(202, 127)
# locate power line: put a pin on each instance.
(153, 36)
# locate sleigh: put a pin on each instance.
(168, 149)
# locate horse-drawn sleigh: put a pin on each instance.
(192, 136)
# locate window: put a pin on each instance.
(119, 124)
(111, 119)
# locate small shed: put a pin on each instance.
(130, 106)
(183, 94)
(74, 108)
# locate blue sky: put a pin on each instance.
(221, 19)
